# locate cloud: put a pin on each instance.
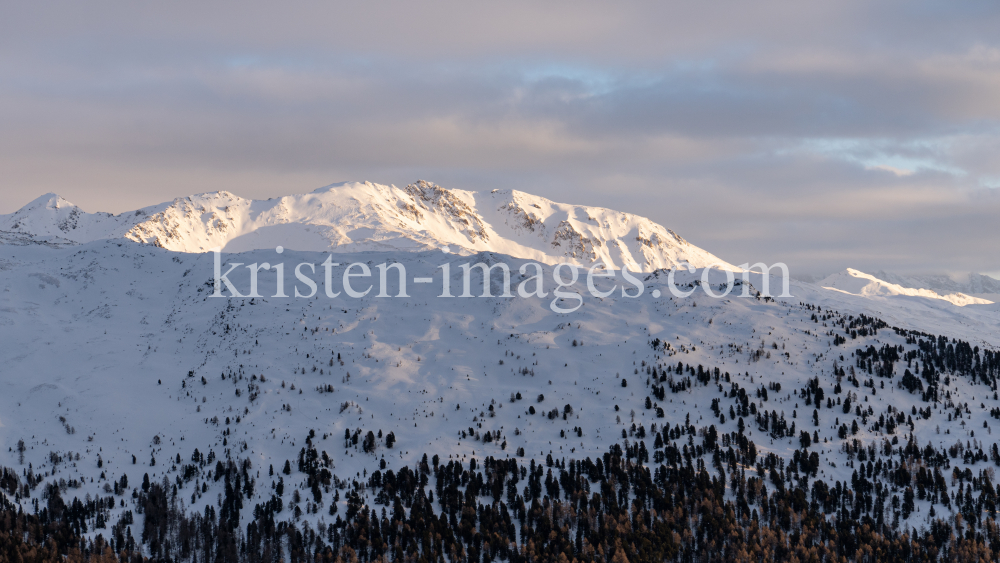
(825, 135)
(890, 169)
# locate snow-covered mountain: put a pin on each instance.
(117, 366)
(859, 283)
(354, 217)
(116, 362)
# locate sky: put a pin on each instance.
(824, 135)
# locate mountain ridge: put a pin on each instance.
(969, 283)
(859, 283)
(359, 216)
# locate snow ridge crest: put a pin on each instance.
(360, 216)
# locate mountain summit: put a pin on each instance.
(361, 216)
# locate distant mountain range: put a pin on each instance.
(860, 283)
(364, 216)
(969, 283)
(354, 217)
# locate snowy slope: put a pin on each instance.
(859, 283)
(354, 217)
(106, 346)
(14, 238)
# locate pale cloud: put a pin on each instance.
(823, 134)
(890, 169)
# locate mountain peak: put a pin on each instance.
(46, 216)
(48, 201)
